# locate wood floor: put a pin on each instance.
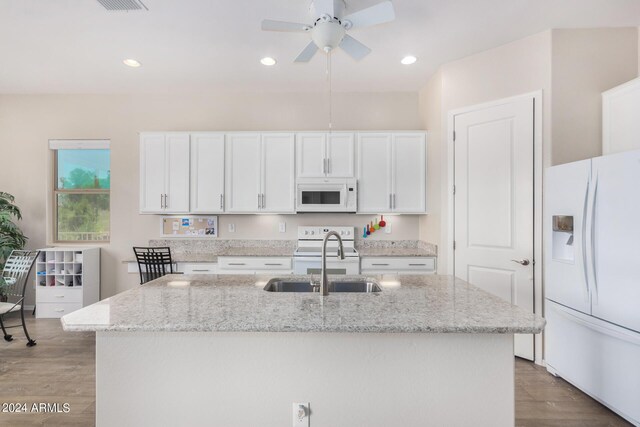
(60, 369)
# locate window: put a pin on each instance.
(81, 193)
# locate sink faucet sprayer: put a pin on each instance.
(324, 282)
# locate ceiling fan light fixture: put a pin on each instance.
(131, 63)
(408, 60)
(268, 61)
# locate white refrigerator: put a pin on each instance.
(592, 278)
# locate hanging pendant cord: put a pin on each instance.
(329, 72)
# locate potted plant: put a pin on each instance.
(11, 237)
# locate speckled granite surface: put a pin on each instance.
(202, 250)
(416, 304)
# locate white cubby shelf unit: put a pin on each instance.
(67, 279)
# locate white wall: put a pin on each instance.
(27, 122)
(586, 63)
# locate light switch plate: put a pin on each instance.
(232, 228)
(282, 227)
(298, 408)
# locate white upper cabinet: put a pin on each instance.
(620, 124)
(207, 173)
(243, 192)
(164, 173)
(374, 172)
(341, 155)
(409, 164)
(391, 172)
(278, 178)
(321, 154)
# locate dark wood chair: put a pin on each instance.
(153, 262)
(15, 275)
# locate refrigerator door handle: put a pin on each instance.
(593, 237)
(584, 236)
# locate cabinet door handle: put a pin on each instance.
(221, 202)
(258, 200)
(59, 296)
(237, 263)
(263, 202)
(166, 201)
(199, 270)
(60, 310)
(161, 201)
(390, 202)
(378, 264)
(270, 263)
(328, 166)
(417, 265)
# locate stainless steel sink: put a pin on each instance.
(365, 285)
(338, 286)
(280, 285)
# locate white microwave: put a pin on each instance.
(326, 195)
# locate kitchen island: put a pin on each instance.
(221, 351)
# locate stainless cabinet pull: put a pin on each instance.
(269, 263)
(199, 270)
(60, 310)
(221, 202)
(263, 203)
(59, 296)
(258, 200)
(390, 202)
(328, 166)
(161, 201)
(378, 264)
(237, 263)
(166, 201)
(417, 265)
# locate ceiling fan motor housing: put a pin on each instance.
(327, 35)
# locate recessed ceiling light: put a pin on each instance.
(131, 63)
(408, 60)
(268, 61)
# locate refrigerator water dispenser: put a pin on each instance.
(562, 245)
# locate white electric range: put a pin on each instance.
(307, 258)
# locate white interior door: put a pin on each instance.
(152, 173)
(374, 172)
(494, 203)
(311, 155)
(207, 173)
(242, 172)
(341, 155)
(278, 187)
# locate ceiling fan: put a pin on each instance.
(330, 25)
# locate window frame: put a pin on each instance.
(56, 192)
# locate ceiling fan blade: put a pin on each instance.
(374, 15)
(324, 7)
(354, 48)
(269, 25)
(307, 53)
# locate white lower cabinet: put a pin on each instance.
(67, 279)
(398, 265)
(255, 265)
(197, 267)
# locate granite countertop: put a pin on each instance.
(237, 303)
(213, 256)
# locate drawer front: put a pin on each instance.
(254, 263)
(53, 310)
(198, 268)
(58, 294)
(399, 264)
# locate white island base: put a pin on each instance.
(350, 379)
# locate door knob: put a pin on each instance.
(522, 261)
